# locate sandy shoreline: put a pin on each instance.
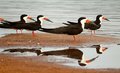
(12, 64)
(53, 40)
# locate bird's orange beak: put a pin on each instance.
(1, 19)
(47, 19)
(29, 17)
(88, 61)
(104, 18)
(105, 48)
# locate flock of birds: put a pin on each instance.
(23, 23)
(71, 28)
(71, 52)
(75, 53)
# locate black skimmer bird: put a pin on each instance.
(96, 24)
(69, 30)
(100, 49)
(33, 26)
(71, 53)
(93, 25)
(83, 62)
(17, 24)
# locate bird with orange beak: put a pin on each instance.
(33, 26)
(95, 25)
(16, 24)
(69, 29)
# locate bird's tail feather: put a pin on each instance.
(4, 26)
(50, 31)
(66, 23)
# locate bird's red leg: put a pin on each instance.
(91, 32)
(94, 32)
(74, 37)
(33, 33)
(16, 31)
(21, 31)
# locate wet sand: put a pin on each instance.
(12, 64)
(53, 40)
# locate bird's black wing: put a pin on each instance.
(31, 26)
(6, 22)
(71, 53)
(60, 30)
(70, 30)
(5, 26)
(70, 23)
(90, 25)
(10, 23)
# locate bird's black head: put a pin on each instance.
(103, 18)
(43, 18)
(81, 64)
(95, 46)
(39, 16)
(22, 16)
(98, 16)
(81, 18)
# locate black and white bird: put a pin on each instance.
(69, 30)
(100, 49)
(71, 53)
(93, 25)
(17, 24)
(33, 26)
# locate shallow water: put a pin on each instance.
(109, 59)
(60, 11)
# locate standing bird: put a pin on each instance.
(71, 53)
(93, 25)
(100, 49)
(15, 25)
(33, 26)
(69, 30)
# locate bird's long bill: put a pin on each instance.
(88, 61)
(29, 17)
(104, 18)
(48, 20)
(104, 48)
(1, 19)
